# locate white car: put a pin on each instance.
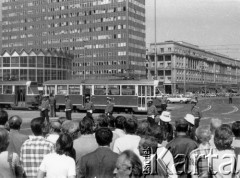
(178, 99)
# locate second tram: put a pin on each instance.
(127, 95)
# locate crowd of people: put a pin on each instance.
(122, 147)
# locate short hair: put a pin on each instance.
(119, 122)
(131, 125)
(181, 125)
(102, 120)
(223, 137)
(104, 136)
(37, 125)
(56, 126)
(61, 120)
(86, 126)
(143, 128)
(215, 123)
(15, 122)
(64, 144)
(70, 127)
(134, 161)
(4, 139)
(3, 117)
(149, 142)
(158, 133)
(236, 128)
(203, 133)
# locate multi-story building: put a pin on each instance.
(107, 37)
(185, 67)
(36, 66)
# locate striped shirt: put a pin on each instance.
(32, 152)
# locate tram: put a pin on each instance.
(127, 95)
(19, 94)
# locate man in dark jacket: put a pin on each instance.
(52, 102)
(101, 162)
(45, 108)
(16, 139)
(68, 107)
(109, 107)
(89, 106)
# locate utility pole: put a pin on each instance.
(155, 27)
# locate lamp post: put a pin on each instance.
(84, 63)
(155, 32)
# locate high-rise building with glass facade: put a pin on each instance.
(107, 37)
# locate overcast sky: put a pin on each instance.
(205, 23)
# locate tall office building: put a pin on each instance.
(107, 37)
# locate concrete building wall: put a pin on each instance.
(107, 37)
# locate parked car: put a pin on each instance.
(178, 99)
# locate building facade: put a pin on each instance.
(107, 37)
(36, 66)
(185, 67)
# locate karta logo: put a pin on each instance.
(213, 163)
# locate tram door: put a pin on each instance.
(87, 91)
(144, 94)
(20, 95)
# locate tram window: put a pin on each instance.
(62, 89)
(99, 90)
(51, 89)
(150, 91)
(7, 89)
(128, 90)
(0, 89)
(74, 89)
(114, 90)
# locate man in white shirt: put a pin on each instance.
(130, 141)
(119, 126)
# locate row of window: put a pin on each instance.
(33, 61)
(106, 71)
(97, 89)
(100, 63)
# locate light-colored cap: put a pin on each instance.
(165, 116)
(190, 118)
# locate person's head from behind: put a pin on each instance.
(128, 165)
(61, 120)
(181, 125)
(15, 122)
(3, 117)
(71, 128)
(158, 133)
(55, 127)
(37, 126)
(223, 137)
(203, 134)
(4, 139)
(64, 144)
(236, 129)
(131, 125)
(215, 123)
(143, 128)
(119, 122)
(147, 142)
(104, 136)
(86, 126)
(102, 121)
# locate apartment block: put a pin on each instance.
(106, 37)
(185, 67)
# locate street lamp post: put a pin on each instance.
(155, 28)
(84, 64)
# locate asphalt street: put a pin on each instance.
(210, 107)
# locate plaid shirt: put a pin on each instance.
(198, 163)
(32, 152)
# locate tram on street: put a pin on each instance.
(127, 95)
(19, 94)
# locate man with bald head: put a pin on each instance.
(16, 139)
(215, 123)
(55, 130)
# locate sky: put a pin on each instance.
(211, 24)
